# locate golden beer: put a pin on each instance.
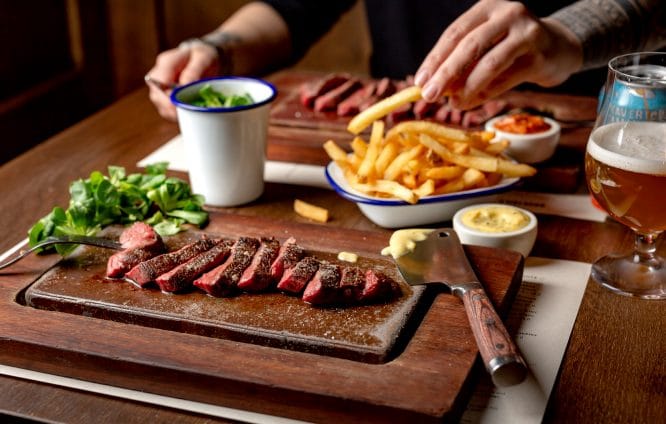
(625, 167)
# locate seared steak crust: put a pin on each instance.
(223, 279)
(147, 271)
(257, 276)
(181, 276)
(289, 255)
(296, 278)
(324, 288)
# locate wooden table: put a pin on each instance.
(613, 369)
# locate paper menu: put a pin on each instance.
(541, 319)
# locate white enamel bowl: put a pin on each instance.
(395, 213)
(521, 240)
(529, 148)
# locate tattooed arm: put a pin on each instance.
(498, 44)
(607, 28)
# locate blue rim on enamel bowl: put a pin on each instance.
(337, 180)
(177, 102)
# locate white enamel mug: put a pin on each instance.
(225, 146)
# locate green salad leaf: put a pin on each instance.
(166, 203)
(209, 97)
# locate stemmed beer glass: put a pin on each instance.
(625, 168)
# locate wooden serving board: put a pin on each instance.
(122, 338)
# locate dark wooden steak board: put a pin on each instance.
(427, 380)
(367, 333)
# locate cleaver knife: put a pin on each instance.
(440, 258)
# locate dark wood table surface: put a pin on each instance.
(613, 369)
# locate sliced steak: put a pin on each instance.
(352, 104)
(296, 278)
(324, 288)
(289, 255)
(402, 113)
(123, 261)
(311, 91)
(476, 117)
(352, 284)
(330, 100)
(140, 242)
(378, 287)
(147, 271)
(223, 279)
(443, 113)
(257, 276)
(423, 109)
(385, 88)
(182, 276)
(140, 234)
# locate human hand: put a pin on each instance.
(493, 47)
(180, 66)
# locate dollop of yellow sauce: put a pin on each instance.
(348, 257)
(495, 219)
(404, 241)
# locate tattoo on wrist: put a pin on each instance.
(222, 42)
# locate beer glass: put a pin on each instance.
(625, 168)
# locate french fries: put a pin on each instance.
(382, 108)
(310, 211)
(415, 159)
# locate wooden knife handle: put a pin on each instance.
(499, 353)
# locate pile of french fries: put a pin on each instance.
(415, 159)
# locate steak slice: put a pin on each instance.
(310, 91)
(257, 276)
(289, 255)
(123, 261)
(140, 242)
(146, 271)
(352, 284)
(352, 104)
(223, 279)
(385, 88)
(330, 100)
(378, 287)
(296, 278)
(324, 288)
(181, 277)
(476, 117)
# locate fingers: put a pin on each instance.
(177, 67)
(202, 62)
(432, 75)
(477, 49)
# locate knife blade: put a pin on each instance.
(440, 259)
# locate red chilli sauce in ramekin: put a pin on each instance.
(522, 123)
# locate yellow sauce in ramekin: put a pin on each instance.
(495, 219)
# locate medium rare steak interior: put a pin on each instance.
(225, 267)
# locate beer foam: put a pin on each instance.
(632, 146)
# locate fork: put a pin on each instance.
(50, 241)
